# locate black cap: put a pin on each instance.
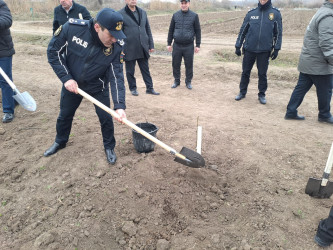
(112, 21)
(185, 1)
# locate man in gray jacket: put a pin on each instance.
(316, 65)
(138, 44)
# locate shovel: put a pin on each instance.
(186, 156)
(322, 188)
(24, 99)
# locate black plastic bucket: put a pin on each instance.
(141, 143)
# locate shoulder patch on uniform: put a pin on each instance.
(271, 16)
(252, 9)
(78, 21)
(57, 32)
(122, 57)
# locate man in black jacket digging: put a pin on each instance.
(68, 9)
(184, 27)
(138, 44)
(93, 62)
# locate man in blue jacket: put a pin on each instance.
(6, 57)
(66, 10)
(261, 38)
(93, 61)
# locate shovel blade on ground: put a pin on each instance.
(315, 189)
(26, 101)
(193, 159)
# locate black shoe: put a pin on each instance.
(327, 120)
(7, 117)
(152, 92)
(175, 85)
(110, 156)
(134, 92)
(54, 149)
(189, 85)
(262, 99)
(296, 117)
(321, 243)
(239, 97)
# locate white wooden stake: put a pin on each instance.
(199, 139)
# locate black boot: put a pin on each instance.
(111, 156)
(53, 149)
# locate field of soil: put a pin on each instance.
(250, 194)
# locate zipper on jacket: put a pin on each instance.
(183, 22)
(262, 18)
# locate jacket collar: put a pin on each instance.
(130, 13)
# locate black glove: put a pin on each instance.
(238, 51)
(274, 54)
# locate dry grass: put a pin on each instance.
(27, 10)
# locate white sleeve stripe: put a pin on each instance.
(60, 55)
(115, 79)
(102, 82)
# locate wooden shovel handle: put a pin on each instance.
(328, 167)
(130, 124)
(4, 75)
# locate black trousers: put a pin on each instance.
(69, 102)
(249, 59)
(325, 228)
(178, 52)
(144, 68)
(324, 85)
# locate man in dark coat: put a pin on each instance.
(184, 27)
(261, 39)
(138, 44)
(6, 57)
(68, 9)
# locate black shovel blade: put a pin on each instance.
(193, 159)
(315, 189)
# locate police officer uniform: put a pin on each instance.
(260, 34)
(94, 67)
